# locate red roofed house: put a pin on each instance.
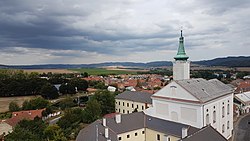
(243, 87)
(21, 115)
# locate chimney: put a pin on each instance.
(184, 132)
(118, 118)
(104, 122)
(106, 133)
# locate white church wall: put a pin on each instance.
(181, 112)
(181, 70)
(220, 120)
(173, 90)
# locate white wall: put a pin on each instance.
(177, 112)
(181, 70)
(216, 105)
(173, 90)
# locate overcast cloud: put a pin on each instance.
(91, 31)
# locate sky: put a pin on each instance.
(94, 31)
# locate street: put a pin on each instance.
(242, 129)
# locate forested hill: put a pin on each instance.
(241, 61)
(227, 61)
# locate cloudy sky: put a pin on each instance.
(92, 31)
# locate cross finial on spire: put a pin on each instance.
(181, 30)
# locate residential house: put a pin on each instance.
(130, 101)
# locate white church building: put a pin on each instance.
(196, 102)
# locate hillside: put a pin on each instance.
(227, 62)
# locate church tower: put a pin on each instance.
(181, 66)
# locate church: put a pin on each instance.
(196, 102)
(184, 110)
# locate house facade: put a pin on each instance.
(132, 101)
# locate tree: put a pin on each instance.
(67, 103)
(49, 91)
(106, 100)
(36, 103)
(55, 133)
(13, 106)
(92, 111)
(28, 130)
(81, 84)
(67, 88)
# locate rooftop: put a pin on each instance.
(207, 133)
(205, 90)
(131, 122)
(20, 115)
(143, 97)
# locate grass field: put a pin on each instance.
(5, 101)
(100, 71)
(48, 70)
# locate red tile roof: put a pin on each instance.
(29, 115)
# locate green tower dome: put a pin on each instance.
(181, 55)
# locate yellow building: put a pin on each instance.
(130, 101)
(141, 127)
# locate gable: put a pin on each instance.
(175, 91)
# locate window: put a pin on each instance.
(128, 111)
(223, 128)
(137, 106)
(127, 104)
(228, 109)
(135, 134)
(169, 139)
(115, 102)
(122, 103)
(158, 137)
(143, 132)
(120, 138)
(214, 116)
(207, 119)
(132, 105)
(123, 111)
(119, 103)
(128, 136)
(223, 111)
(119, 110)
(142, 107)
(227, 124)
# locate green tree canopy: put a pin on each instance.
(36, 103)
(92, 111)
(49, 91)
(106, 100)
(13, 106)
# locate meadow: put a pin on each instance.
(102, 71)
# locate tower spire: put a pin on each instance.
(181, 54)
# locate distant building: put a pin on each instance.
(111, 88)
(129, 101)
(243, 101)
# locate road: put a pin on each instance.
(242, 129)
